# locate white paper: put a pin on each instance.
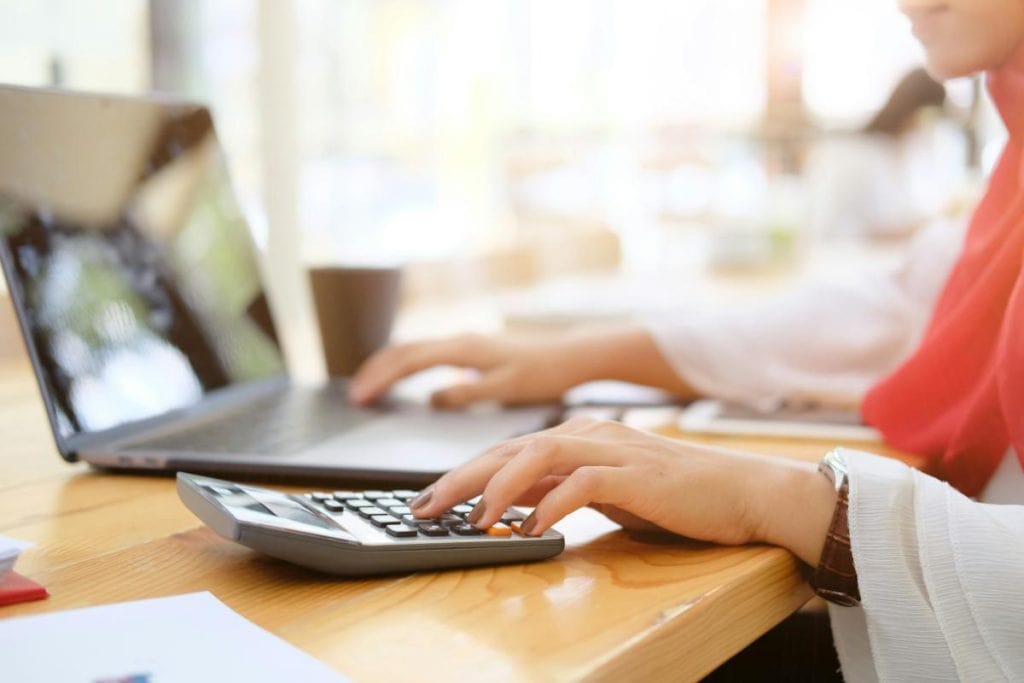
(10, 548)
(187, 638)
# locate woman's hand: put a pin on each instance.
(527, 370)
(640, 479)
(521, 370)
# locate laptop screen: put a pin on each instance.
(130, 260)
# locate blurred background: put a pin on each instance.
(566, 158)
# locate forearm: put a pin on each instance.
(627, 354)
(776, 351)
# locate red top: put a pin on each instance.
(959, 399)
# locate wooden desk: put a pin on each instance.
(612, 607)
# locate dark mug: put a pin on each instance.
(354, 308)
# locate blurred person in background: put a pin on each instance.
(892, 176)
(922, 569)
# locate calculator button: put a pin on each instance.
(414, 520)
(466, 530)
(387, 502)
(334, 506)
(448, 520)
(367, 513)
(383, 520)
(356, 503)
(400, 510)
(346, 495)
(462, 509)
(402, 494)
(433, 530)
(512, 516)
(499, 530)
(374, 495)
(400, 531)
(518, 528)
(320, 496)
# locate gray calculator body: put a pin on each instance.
(297, 529)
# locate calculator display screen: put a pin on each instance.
(268, 504)
(295, 512)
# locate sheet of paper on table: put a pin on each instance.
(186, 638)
(10, 548)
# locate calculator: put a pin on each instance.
(358, 533)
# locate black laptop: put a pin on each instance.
(139, 295)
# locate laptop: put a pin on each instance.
(138, 292)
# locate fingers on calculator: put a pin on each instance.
(389, 510)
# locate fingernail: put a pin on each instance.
(529, 523)
(422, 499)
(478, 512)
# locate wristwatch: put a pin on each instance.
(833, 466)
(835, 578)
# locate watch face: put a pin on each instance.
(833, 465)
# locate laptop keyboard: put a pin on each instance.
(284, 424)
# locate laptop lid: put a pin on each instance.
(130, 265)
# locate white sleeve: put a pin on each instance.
(826, 343)
(941, 580)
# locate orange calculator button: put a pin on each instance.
(499, 529)
(517, 527)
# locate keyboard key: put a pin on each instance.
(403, 494)
(518, 528)
(374, 495)
(356, 503)
(367, 513)
(433, 530)
(466, 530)
(512, 516)
(400, 531)
(334, 506)
(320, 496)
(346, 495)
(387, 502)
(449, 520)
(462, 509)
(499, 530)
(400, 510)
(383, 520)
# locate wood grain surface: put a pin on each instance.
(613, 606)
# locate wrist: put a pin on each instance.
(795, 503)
(627, 354)
(583, 357)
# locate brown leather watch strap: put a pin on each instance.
(835, 578)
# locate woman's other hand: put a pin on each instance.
(516, 370)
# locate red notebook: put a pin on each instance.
(16, 588)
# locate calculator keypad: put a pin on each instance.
(389, 511)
